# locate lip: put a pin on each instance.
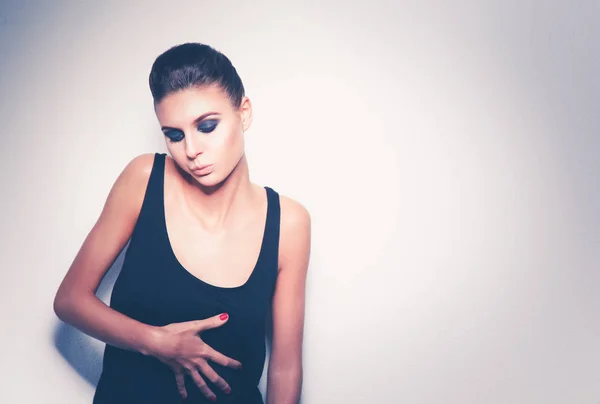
(202, 167)
(205, 168)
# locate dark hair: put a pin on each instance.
(194, 65)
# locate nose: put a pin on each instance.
(193, 146)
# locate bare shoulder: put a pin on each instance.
(139, 168)
(293, 213)
(137, 171)
(130, 187)
(295, 234)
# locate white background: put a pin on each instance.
(447, 151)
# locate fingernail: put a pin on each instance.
(224, 316)
(227, 390)
(213, 398)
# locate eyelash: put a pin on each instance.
(179, 135)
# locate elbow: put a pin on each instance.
(60, 305)
(64, 303)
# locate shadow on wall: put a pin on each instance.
(81, 351)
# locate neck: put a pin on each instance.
(216, 205)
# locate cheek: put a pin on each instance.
(172, 150)
(233, 144)
(176, 151)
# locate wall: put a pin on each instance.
(448, 154)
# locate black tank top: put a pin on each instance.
(154, 288)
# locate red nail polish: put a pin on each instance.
(224, 316)
(213, 398)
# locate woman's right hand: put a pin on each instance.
(180, 346)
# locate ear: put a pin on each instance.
(246, 113)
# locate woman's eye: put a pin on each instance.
(174, 136)
(207, 126)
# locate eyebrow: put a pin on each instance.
(196, 121)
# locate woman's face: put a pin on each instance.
(204, 131)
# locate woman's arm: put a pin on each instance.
(284, 382)
(177, 345)
(76, 302)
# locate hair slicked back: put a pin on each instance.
(194, 64)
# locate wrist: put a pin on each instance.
(150, 341)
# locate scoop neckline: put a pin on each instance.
(181, 267)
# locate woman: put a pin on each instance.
(210, 255)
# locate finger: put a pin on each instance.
(218, 357)
(201, 384)
(214, 377)
(180, 381)
(211, 322)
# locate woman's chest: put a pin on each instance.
(221, 255)
(157, 290)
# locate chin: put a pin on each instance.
(210, 180)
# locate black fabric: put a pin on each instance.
(154, 288)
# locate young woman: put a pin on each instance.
(210, 255)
